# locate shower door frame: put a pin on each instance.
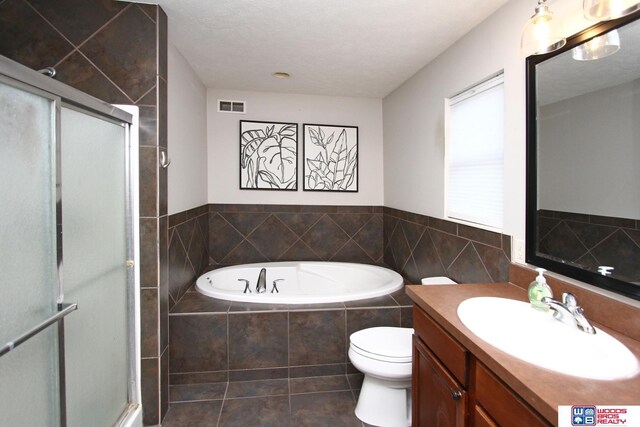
(60, 94)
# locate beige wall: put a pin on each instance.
(414, 113)
(223, 148)
(187, 132)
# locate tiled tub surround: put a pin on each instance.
(214, 236)
(215, 341)
(117, 52)
(414, 245)
(418, 246)
(591, 240)
(188, 250)
(241, 234)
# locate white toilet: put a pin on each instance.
(383, 354)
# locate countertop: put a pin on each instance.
(543, 389)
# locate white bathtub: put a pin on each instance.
(304, 282)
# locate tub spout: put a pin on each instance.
(261, 286)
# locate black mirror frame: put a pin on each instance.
(605, 282)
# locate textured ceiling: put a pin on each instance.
(360, 48)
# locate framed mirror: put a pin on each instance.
(583, 157)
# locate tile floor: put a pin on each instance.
(327, 401)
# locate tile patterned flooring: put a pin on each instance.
(296, 402)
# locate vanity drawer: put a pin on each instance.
(501, 404)
(446, 348)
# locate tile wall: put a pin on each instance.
(117, 52)
(590, 241)
(188, 250)
(256, 233)
(215, 341)
(419, 246)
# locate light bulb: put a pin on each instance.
(598, 47)
(543, 33)
(603, 10)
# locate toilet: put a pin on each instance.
(383, 354)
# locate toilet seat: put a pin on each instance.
(385, 344)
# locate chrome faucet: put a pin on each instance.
(246, 285)
(261, 286)
(569, 312)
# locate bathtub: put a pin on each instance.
(303, 282)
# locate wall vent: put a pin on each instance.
(225, 106)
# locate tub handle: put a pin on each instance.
(275, 287)
(246, 285)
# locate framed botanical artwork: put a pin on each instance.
(268, 156)
(330, 158)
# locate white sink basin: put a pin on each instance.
(536, 337)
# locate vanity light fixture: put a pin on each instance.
(281, 75)
(604, 10)
(598, 47)
(543, 33)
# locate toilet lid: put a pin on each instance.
(389, 343)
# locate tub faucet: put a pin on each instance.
(261, 286)
(569, 312)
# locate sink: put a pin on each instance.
(536, 337)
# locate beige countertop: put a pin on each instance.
(543, 389)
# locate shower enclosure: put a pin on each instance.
(68, 264)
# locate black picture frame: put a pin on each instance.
(330, 158)
(268, 155)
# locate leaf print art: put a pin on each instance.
(330, 158)
(268, 155)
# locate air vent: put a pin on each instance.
(225, 106)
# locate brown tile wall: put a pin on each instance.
(216, 341)
(419, 246)
(188, 250)
(241, 234)
(588, 241)
(117, 52)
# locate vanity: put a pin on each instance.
(460, 380)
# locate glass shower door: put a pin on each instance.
(67, 223)
(93, 162)
(29, 387)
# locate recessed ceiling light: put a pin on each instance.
(281, 75)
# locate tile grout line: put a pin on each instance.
(224, 398)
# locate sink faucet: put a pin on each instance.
(261, 286)
(569, 312)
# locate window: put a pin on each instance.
(474, 154)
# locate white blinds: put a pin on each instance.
(475, 151)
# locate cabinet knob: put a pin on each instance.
(456, 395)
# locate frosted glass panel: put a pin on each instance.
(28, 261)
(94, 248)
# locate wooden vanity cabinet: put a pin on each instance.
(439, 400)
(451, 388)
(496, 405)
(440, 376)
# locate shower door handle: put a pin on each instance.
(64, 310)
(165, 161)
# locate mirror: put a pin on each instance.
(583, 157)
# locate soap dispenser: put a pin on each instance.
(539, 289)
